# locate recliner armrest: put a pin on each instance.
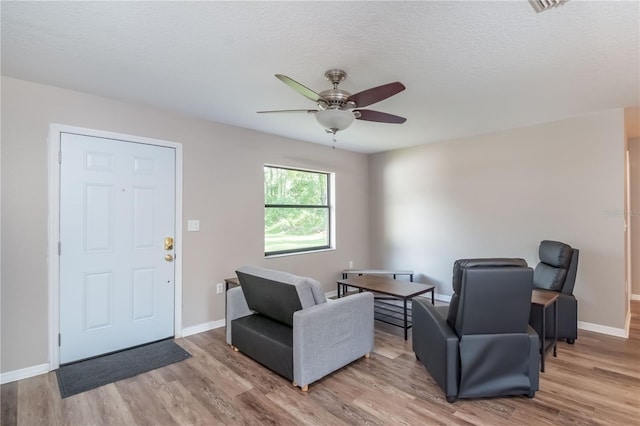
(330, 335)
(435, 343)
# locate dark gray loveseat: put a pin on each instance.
(286, 323)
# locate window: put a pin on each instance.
(297, 214)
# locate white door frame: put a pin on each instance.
(53, 260)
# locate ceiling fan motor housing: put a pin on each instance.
(336, 98)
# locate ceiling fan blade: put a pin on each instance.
(380, 117)
(308, 111)
(303, 90)
(376, 94)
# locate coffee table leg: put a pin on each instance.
(405, 319)
(433, 296)
(338, 290)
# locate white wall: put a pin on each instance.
(223, 188)
(634, 214)
(500, 195)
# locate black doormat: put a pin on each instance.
(95, 372)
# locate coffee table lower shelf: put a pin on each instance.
(387, 290)
(386, 311)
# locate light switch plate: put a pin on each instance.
(193, 225)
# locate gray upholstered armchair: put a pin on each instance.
(286, 323)
(481, 345)
(557, 272)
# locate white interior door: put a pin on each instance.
(117, 207)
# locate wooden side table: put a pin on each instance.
(541, 299)
(229, 283)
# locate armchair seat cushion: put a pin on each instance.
(267, 341)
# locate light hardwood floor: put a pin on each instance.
(595, 381)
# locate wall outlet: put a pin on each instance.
(219, 288)
(351, 264)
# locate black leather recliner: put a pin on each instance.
(557, 272)
(481, 345)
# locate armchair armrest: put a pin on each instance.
(236, 308)
(435, 344)
(534, 359)
(330, 335)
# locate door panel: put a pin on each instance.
(117, 205)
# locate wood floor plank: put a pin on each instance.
(218, 403)
(290, 400)
(144, 406)
(77, 411)
(233, 383)
(9, 404)
(261, 411)
(325, 395)
(178, 401)
(39, 401)
(109, 407)
(596, 381)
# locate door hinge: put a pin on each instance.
(59, 339)
(59, 248)
(60, 157)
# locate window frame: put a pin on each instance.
(330, 182)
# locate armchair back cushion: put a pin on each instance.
(477, 319)
(555, 261)
(277, 294)
(488, 306)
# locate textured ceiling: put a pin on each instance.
(469, 67)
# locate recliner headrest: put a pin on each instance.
(555, 253)
(463, 264)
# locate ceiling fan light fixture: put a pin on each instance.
(335, 119)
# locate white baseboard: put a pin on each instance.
(24, 373)
(200, 328)
(635, 297)
(443, 297)
(603, 329)
(330, 294)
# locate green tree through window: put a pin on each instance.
(296, 210)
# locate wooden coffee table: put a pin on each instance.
(389, 289)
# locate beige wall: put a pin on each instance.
(634, 214)
(500, 195)
(222, 188)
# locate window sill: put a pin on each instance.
(272, 256)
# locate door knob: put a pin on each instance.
(168, 243)
(168, 258)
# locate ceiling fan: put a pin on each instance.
(337, 108)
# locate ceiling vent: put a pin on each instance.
(542, 5)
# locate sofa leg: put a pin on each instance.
(234, 348)
(367, 355)
(303, 388)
